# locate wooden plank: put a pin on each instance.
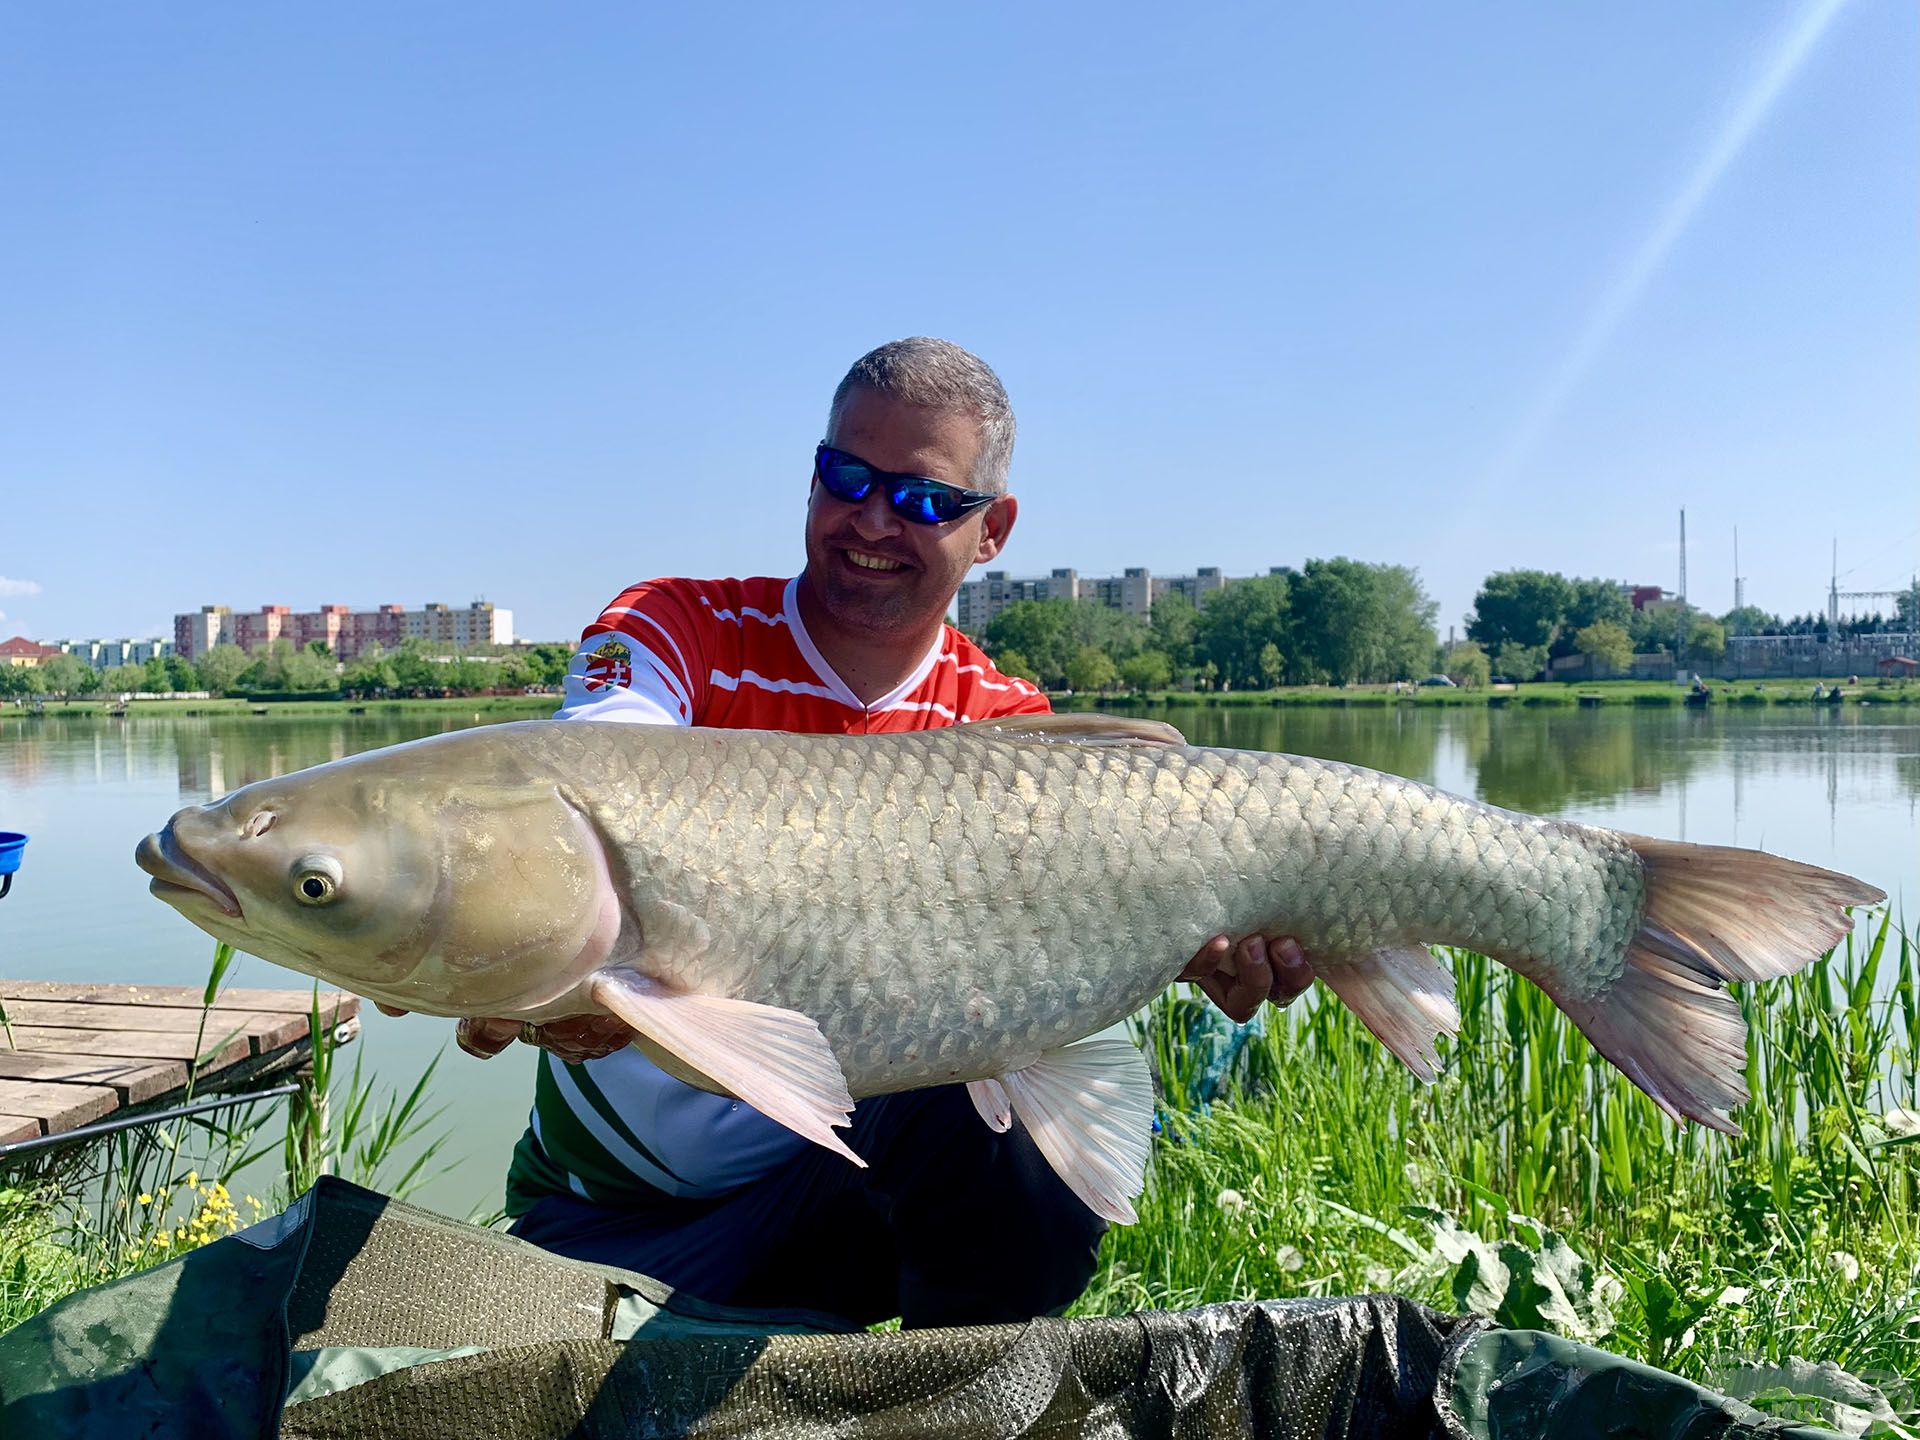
(136, 1044)
(58, 1107)
(133, 1080)
(265, 1031)
(187, 996)
(18, 1127)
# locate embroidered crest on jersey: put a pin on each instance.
(609, 667)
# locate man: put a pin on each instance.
(951, 1223)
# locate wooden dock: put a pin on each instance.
(82, 1054)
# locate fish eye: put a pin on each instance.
(316, 879)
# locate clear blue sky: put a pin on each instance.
(367, 303)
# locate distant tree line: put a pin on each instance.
(1333, 621)
(1344, 621)
(1524, 618)
(410, 670)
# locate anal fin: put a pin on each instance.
(1404, 996)
(1089, 1109)
(775, 1060)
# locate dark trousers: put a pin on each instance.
(950, 1224)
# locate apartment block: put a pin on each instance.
(1132, 592)
(194, 635)
(344, 631)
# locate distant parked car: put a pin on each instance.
(1501, 680)
(1437, 680)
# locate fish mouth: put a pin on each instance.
(176, 873)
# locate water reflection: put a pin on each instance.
(208, 755)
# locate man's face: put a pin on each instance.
(872, 570)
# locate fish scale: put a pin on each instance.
(1103, 870)
(801, 920)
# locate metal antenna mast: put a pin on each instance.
(1739, 582)
(1680, 626)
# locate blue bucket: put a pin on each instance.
(12, 842)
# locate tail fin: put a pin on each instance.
(1711, 914)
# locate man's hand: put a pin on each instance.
(1238, 977)
(575, 1039)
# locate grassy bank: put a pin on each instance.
(1534, 1184)
(1544, 693)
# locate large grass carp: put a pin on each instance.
(800, 920)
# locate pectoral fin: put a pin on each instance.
(775, 1060)
(1089, 1109)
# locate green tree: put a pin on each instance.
(1358, 622)
(1015, 662)
(1606, 643)
(65, 675)
(1091, 670)
(1522, 662)
(153, 675)
(548, 663)
(414, 671)
(19, 681)
(1239, 621)
(1042, 631)
(309, 671)
(1706, 639)
(221, 668)
(1467, 664)
(181, 675)
(1273, 665)
(1147, 669)
(1171, 629)
(1749, 620)
(1104, 628)
(1591, 602)
(124, 679)
(369, 673)
(1519, 607)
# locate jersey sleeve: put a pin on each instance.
(994, 694)
(644, 660)
(1019, 698)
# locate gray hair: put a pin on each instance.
(939, 375)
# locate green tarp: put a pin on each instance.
(353, 1315)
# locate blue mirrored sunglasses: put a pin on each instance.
(913, 497)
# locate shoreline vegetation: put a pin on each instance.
(1540, 693)
(1296, 1157)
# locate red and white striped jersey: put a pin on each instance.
(733, 654)
(736, 655)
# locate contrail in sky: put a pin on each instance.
(1626, 289)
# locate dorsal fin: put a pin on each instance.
(1078, 728)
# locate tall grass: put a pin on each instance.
(1534, 1183)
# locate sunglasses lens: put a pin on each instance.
(844, 478)
(928, 502)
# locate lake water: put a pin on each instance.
(1836, 787)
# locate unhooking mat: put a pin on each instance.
(353, 1315)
